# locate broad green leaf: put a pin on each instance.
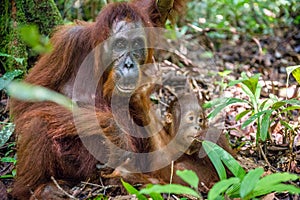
(214, 102)
(228, 101)
(253, 118)
(295, 107)
(265, 123)
(275, 178)
(131, 190)
(31, 36)
(156, 196)
(189, 177)
(280, 187)
(296, 74)
(295, 70)
(210, 149)
(225, 157)
(6, 132)
(286, 125)
(268, 183)
(250, 180)
(219, 188)
(8, 77)
(278, 105)
(252, 83)
(257, 91)
(266, 104)
(28, 92)
(8, 160)
(242, 114)
(171, 188)
(251, 96)
(292, 101)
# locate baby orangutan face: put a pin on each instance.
(188, 121)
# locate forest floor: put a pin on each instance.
(267, 55)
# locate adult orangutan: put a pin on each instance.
(50, 137)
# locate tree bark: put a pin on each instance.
(16, 13)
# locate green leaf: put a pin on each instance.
(296, 74)
(250, 180)
(224, 73)
(31, 36)
(18, 60)
(295, 70)
(156, 196)
(28, 92)
(278, 105)
(219, 188)
(8, 77)
(295, 107)
(8, 160)
(253, 118)
(170, 188)
(268, 183)
(252, 83)
(228, 101)
(189, 177)
(286, 125)
(251, 96)
(277, 188)
(131, 190)
(242, 114)
(6, 132)
(265, 123)
(214, 102)
(210, 149)
(225, 157)
(266, 104)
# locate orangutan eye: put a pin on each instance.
(120, 44)
(138, 43)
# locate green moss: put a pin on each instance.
(43, 13)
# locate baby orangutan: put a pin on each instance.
(188, 127)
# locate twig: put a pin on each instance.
(264, 156)
(171, 178)
(61, 189)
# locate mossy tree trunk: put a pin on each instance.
(16, 13)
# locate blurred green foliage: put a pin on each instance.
(242, 16)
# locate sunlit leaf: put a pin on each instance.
(219, 188)
(250, 180)
(225, 157)
(131, 190)
(6, 132)
(265, 123)
(253, 118)
(8, 77)
(171, 188)
(28, 92)
(189, 177)
(295, 70)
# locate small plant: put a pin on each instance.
(8, 158)
(243, 185)
(261, 112)
(155, 191)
